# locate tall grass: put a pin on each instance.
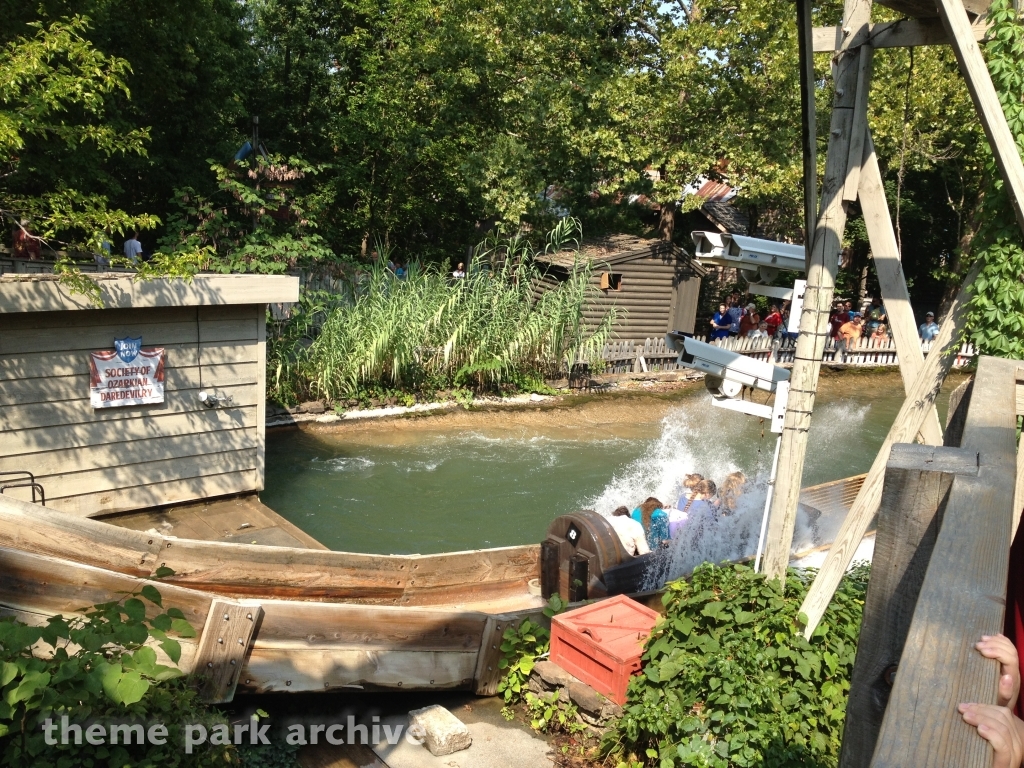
(431, 331)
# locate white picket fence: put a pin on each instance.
(653, 355)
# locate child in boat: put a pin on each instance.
(651, 514)
(697, 505)
(689, 483)
(730, 492)
(631, 533)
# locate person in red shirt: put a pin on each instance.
(773, 321)
(750, 320)
(837, 319)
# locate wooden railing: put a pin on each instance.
(938, 583)
(653, 355)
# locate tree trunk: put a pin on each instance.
(667, 224)
(961, 256)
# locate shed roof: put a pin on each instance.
(45, 293)
(615, 249)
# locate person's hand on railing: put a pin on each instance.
(1001, 729)
(1000, 648)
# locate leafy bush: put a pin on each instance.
(521, 647)
(98, 668)
(729, 680)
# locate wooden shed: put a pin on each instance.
(101, 433)
(654, 284)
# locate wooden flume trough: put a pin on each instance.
(293, 619)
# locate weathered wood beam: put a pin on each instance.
(917, 482)
(230, 629)
(907, 424)
(1018, 494)
(961, 597)
(859, 130)
(904, 33)
(821, 277)
(892, 283)
(986, 101)
(809, 122)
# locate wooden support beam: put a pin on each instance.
(809, 121)
(907, 424)
(917, 482)
(1018, 494)
(904, 33)
(986, 101)
(892, 283)
(223, 646)
(961, 598)
(821, 277)
(859, 131)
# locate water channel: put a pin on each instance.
(468, 480)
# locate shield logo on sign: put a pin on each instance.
(128, 348)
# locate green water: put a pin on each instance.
(490, 479)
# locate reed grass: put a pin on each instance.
(431, 331)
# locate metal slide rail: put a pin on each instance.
(23, 479)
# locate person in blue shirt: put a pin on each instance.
(928, 330)
(735, 315)
(652, 516)
(720, 323)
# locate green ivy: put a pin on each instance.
(521, 648)
(729, 680)
(99, 667)
(995, 314)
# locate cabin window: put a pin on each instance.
(611, 281)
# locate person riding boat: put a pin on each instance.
(651, 514)
(631, 533)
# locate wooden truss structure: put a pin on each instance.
(852, 173)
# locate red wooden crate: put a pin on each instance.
(601, 644)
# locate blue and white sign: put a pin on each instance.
(128, 348)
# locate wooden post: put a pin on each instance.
(986, 100)
(579, 577)
(809, 123)
(962, 597)
(1018, 494)
(917, 483)
(906, 425)
(821, 275)
(891, 281)
(548, 568)
(230, 629)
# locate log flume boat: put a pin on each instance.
(284, 619)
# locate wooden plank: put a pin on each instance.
(57, 462)
(1018, 494)
(296, 670)
(128, 428)
(808, 121)
(859, 129)
(905, 426)
(120, 291)
(917, 483)
(487, 673)
(961, 597)
(223, 646)
(51, 388)
(986, 101)
(68, 412)
(956, 415)
(155, 494)
(46, 364)
(261, 402)
(57, 321)
(821, 276)
(897, 34)
(892, 282)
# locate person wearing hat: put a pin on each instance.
(928, 330)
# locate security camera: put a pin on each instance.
(726, 372)
(758, 260)
(210, 400)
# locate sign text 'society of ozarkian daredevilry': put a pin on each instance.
(129, 375)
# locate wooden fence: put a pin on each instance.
(653, 355)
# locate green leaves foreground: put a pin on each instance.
(729, 680)
(101, 665)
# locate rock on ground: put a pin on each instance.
(443, 732)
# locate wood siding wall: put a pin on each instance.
(657, 294)
(97, 461)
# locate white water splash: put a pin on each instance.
(715, 442)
